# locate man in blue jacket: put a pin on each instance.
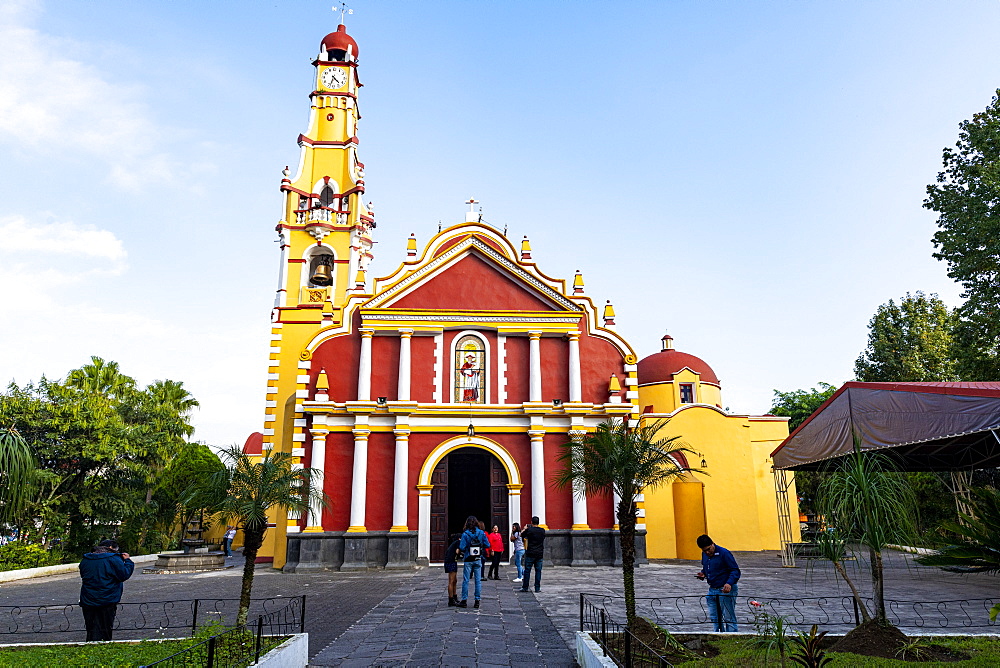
(103, 572)
(473, 546)
(720, 569)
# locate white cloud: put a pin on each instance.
(17, 235)
(52, 103)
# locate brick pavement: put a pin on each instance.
(415, 627)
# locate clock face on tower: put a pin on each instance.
(333, 77)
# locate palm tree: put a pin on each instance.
(623, 461)
(979, 551)
(246, 490)
(101, 377)
(17, 468)
(870, 503)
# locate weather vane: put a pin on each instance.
(343, 9)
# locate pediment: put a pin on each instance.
(472, 276)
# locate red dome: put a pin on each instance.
(661, 367)
(339, 41)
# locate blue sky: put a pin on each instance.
(746, 176)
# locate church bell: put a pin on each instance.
(322, 275)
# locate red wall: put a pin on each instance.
(340, 356)
(555, 368)
(558, 502)
(385, 366)
(472, 284)
(337, 480)
(422, 369)
(598, 360)
(381, 470)
(517, 369)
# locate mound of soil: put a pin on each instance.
(884, 640)
(656, 640)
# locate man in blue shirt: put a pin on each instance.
(473, 546)
(720, 569)
(103, 571)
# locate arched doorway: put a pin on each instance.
(467, 481)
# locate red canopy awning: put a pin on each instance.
(926, 426)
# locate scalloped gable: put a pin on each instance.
(472, 276)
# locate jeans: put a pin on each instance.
(727, 603)
(530, 562)
(227, 544)
(518, 555)
(100, 620)
(475, 568)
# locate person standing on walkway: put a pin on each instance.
(227, 540)
(451, 568)
(496, 548)
(534, 536)
(517, 547)
(103, 571)
(719, 567)
(472, 545)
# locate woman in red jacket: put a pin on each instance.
(496, 547)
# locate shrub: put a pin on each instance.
(17, 554)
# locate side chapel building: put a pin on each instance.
(446, 387)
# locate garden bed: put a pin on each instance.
(124, 653)
(709, 650)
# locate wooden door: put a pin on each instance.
(439, 511)
(499, 499)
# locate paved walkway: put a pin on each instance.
(415, 627)
(402, 618)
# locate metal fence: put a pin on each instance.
(833, 613)
(616, 640)
(137, 619)
(243, 645)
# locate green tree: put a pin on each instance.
(799, 405)
(617, 459)
(913, 341)
(978, 549)
(246, 490)
(869, 503)
(966, 198)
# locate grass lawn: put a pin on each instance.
(983, 652)
(94, 654)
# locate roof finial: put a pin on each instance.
(343, 9)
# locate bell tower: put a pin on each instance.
(326, 229)
(325, 236)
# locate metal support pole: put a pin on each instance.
(260, 633)
(581, 610)
(210, 662)
(857, 620)
(628, 647)
(194, 618)
(604, 632)
(719, 626)
(302, 615)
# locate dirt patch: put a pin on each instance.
(667, 646)
(886, 641)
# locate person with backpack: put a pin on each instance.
(473, 546)
(517, 545)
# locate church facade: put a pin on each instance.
(440, 390)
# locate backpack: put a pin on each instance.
(475, 549)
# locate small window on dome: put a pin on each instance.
(687, 393)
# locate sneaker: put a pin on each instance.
(537, 590)
(452, 602)
(477, 604)
(463, 604)
(517, 580)
(523, 589)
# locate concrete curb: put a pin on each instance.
(58, 569)
(589, 654)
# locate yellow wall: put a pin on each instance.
(740, 508)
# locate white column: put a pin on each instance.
(359, 481)
(579, 493)
(575, 385)
(424, 521)
(535, 367)
(537, 475)
(314, 522)
(403, 386)
(365, 370)
(400, 475)
(514, 503)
